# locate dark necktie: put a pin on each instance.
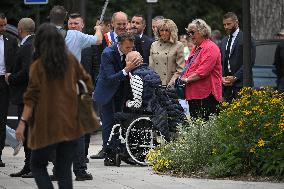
(123, 60)
(227, 55)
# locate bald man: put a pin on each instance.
(18, 81)
(143, 81)
(119, 23)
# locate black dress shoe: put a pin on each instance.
(28, 175)
(109, 162)
(100, 155)
(2, 164)
(83, 176)
(20, 173)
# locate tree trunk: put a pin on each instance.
(266, 18)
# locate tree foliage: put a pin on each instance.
(180, 11)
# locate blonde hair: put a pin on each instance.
(201, 26)
(169, 25)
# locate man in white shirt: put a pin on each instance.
(232, 56)
(8, 48)
(75, 40)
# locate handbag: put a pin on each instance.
(179, 84)
(87, 117)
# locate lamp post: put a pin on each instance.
(149, 16)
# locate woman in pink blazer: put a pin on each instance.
(203, 77)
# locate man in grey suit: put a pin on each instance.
(232, 57)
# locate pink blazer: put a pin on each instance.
(208, 67)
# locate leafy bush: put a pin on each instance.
(250, 135)
(189, 152)
(245, 138)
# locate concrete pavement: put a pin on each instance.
(124, 177)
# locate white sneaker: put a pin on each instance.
(18, 148)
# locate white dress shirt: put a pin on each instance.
(2, 57)
(234, 35)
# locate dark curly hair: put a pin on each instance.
(51, 49)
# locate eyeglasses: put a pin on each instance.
(190, 33)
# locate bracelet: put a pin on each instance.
(24, 121)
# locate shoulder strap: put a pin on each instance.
(190, 62)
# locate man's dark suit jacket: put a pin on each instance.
(10, 49)
(110, 75)
(146, 43)
(19, 78)
(236, 57)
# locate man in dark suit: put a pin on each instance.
(19, 78)
(138, 24)
(119, 22)
(232, 57)
(112, 84)
(8, 47)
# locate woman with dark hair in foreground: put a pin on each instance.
(51, 107)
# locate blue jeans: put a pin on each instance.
(11, 138)
(64, 158)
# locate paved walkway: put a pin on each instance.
(124, 177)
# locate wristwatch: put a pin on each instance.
(24, 121)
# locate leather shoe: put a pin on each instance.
(2, 164)
(28, 175)
(20, 173)
(100, 155)
(83, 176)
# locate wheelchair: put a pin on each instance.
(136, 132)
(133, 138)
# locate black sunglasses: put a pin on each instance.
(190, 33)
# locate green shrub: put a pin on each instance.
(250, 135)
(245, 138)
(189, 152)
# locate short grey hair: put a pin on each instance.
(201, 26)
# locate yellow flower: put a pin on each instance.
(267, 125)
(214, 151)
(252, 150)
(225, 104)
(246, 112)
(260, 142)
(281, 126)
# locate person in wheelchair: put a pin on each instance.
(149, 98)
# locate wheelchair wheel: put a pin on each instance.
(140, 138)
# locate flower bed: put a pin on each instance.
(245, 138)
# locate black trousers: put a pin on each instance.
(203, 107)
(64, 157)
(4, 104)
(230, 92)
